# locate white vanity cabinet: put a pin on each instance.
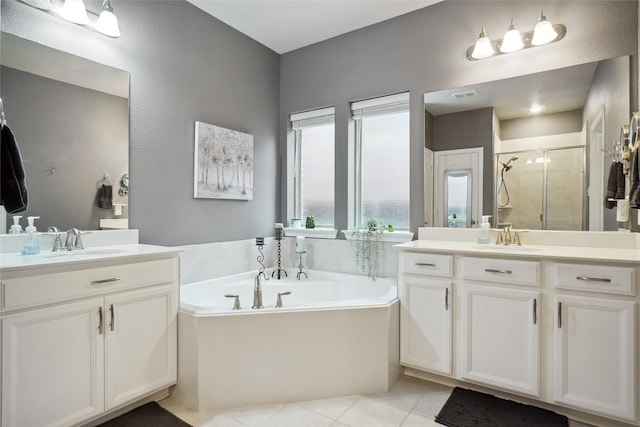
(425, 290)
(107, 341)
(500, 342)
(595, 340)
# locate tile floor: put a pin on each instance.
(410, 403)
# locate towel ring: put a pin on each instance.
(633, 129)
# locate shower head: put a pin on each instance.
(506, 167)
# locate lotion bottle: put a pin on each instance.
(484, 239)
(32, 246)
(16, 228)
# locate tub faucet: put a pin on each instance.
(257, 293)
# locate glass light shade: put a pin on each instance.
(543, 33)
(512, 40)
(75, 11)
(108, 24)
(482, 48)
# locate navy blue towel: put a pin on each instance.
(13, 186)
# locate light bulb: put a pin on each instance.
(40, 4)
(75, 11)
(482, 48)
(543, 33)
(512, 40)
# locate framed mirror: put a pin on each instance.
(70, 118)
(574, 105)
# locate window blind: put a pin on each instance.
(322, 116)
(379, 106)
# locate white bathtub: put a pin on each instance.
(336, 335)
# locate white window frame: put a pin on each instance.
(369, 108)
(300, 121)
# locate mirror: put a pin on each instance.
(70, 118)
(499, 117)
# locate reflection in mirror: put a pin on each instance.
(498, 116)
(70, 117)
(458, 198)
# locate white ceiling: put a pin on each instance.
(286, 25)
(558, 90)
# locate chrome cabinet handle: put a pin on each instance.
(425, 264)
(105, 281)
(493, 270)
(535, 311)
(446, 298)
(113, 316)
(101, 321)
(559, 315)
(593, 279)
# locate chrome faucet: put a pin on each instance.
(74, 240)
(257, 293)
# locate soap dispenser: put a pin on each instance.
(16, 228)
(484, 239)
(32, 246)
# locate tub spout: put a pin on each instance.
(257, 293)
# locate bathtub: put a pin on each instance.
(336, 335)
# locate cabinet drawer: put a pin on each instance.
(38, 289)
(428, 264)
(502, 271)
(596, 278)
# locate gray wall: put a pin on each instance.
(185, 66)
(468, 129)
(616, 113)
(79, 132)
(425, 51)
(542, 125)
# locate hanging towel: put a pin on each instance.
(612, 186)
(13, 186)
(634, 180)
(105, 196)
(620, 181)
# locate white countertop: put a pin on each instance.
(572, 253)
(14, 261)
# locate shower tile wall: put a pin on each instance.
(564, 189)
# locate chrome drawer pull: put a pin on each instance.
(104, 281)
(493, 270)
(113, 317)
(425, 264)
(559, 315)
(593, 279)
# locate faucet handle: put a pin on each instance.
(57, 242)
(499, 239)
(279, 299)
(236, 303)
(78, 244)
(516, 238)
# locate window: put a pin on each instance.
(382, 160)
(314, 165)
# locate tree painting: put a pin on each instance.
(223, 166)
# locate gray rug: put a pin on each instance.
(149, 415)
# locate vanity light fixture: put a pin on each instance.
(513, 41)
(76, 12)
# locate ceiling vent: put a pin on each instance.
(463, 95)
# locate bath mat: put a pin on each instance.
(468, 408)
(149, 415)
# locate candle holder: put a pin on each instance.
(301, 267)
(260, 257)
(279, 271)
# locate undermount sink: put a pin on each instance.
(508, 248)
(82, 252)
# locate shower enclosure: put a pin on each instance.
(541, 189)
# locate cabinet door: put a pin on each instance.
(425, 324)
(595, 355)
(52, 365)
(501, 338)
(141, 343)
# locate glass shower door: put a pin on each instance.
(565, 181)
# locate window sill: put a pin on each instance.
(316, 233)
(387, 237)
